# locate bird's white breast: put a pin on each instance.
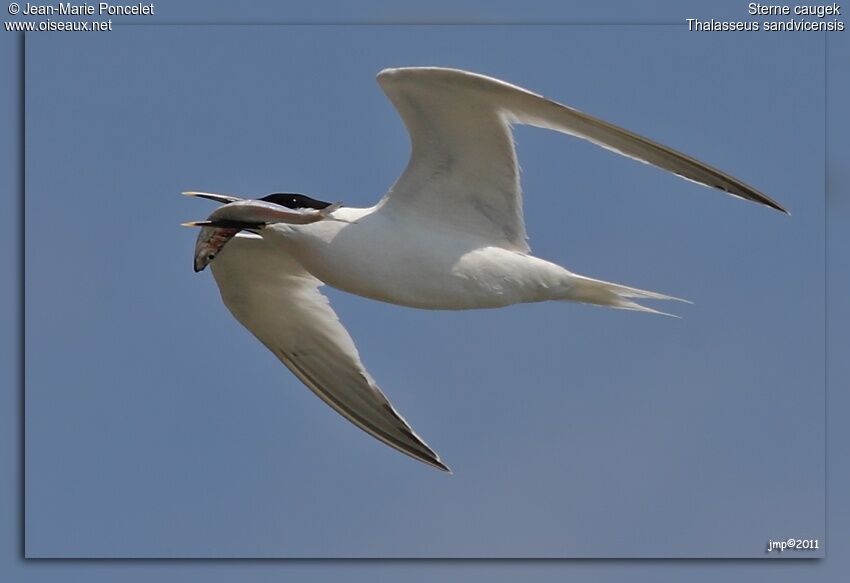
(411, 263)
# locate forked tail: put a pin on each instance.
(602, 293)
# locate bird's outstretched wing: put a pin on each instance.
(273, 297)
(463, 169)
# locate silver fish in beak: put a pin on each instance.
(210, 241)
(238, 214)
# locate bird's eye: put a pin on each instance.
(210, 257)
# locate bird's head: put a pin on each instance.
(237, 214)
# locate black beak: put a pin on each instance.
(226, 224)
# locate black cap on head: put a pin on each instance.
(295, 201)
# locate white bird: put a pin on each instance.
(449, 235)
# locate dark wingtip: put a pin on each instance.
(438, 463)
(443, 468)
(755, 196)
(751, 194)
(775, 205)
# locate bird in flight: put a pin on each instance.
(448, 235)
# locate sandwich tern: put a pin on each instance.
(448, 235)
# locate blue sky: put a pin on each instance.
(573, 431)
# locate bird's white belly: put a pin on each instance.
(419, 267)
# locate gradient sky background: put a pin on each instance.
(579, 253)
(156, 426)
